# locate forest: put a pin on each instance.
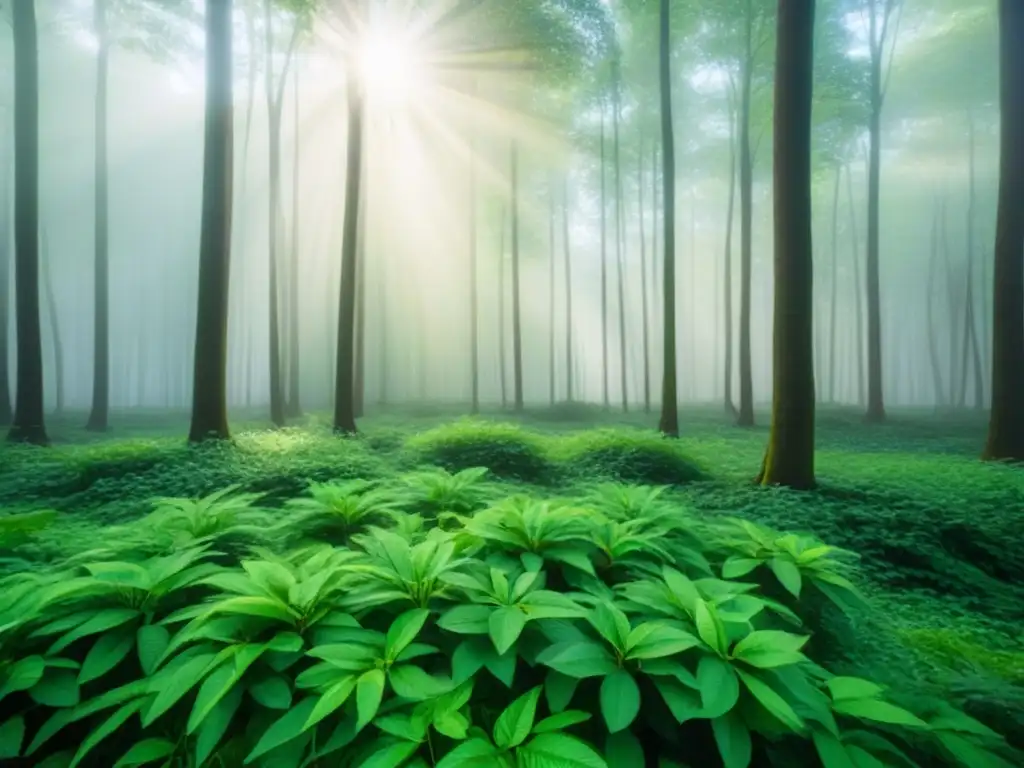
(523, 383)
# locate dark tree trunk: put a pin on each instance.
(359, 368)
(1006, 420)
(209, 384)
(5, 287)
(645, 312)
(293, 407)
(517, 328)
(605, 397)
(789, 459)
(98, 416)
(835, 290)
(745, 416)
(566, 245)
(344, 381)
(858, 294)
(620, 271)
(668, 423)
(933, 347)
(28, 423)
(551, 289)
(54, 317)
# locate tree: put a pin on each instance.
(517, 331)
(209, 385)
(789, 459)
(28, 423)
(5, 286)
(668, 423)
(1006, 420)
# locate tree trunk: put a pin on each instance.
(970, 325)
(384, 345)
(551, 289)
(1006, 420)
(28, 424)
(293, 408)
(344, 381)
(569, 390)
(209, 385)
(605, 399)
(952, 313)
(54, 317)
(835, 290)
(359, 367)
(98, 416)
(645, 312)
(858, 294)
(789, 459)
(620, 272)
(933, 348)
(474, 319)
(745, 417)
(502, 291)
(668, 423)
(5, 288)
(517, 328)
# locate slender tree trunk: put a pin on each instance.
(605, 398)
(858, 293)
(569, 389)
(502, 291)
(1006, 419)
(54, 318)
(98, 416)
(293, 407)
(645, 312)
(359, 367)
(655, 241)
(5, 287)
(474, 319)
(517, 328)
(789, 459)
(344, 382)
(970, 325)
(209, 385)
(382, 305)
(620, 276)
(28, 424)
(551, 289)
(669, 420)
(952, 313)
(933, 349)
(835, 290)
(745, 417)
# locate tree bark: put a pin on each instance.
(1006, 419)
(645, 312)
(209, 385)
(835, 290)
(933, 348)
(789, 459)
(54, 318)
(745, 416)
(293, 407)
(970, 325)
(668, 422)
(5, 288)
(605, 398)
(858, 293)
(517, 329)
(620, 272)
(28, 423)
(569, 390)
(99, 415)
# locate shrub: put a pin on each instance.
(507, 450)
(501, 642)
(630, 456)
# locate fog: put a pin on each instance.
(423, 133)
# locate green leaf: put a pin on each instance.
(169, 688)
(777, 706)
(216, 723)
(514, 724)
(331, 700)
(23, 674)
(683, 702)
(262, 607)
(733, 740)
(503, 667)
(579, 659)
(220, 681)
(969, 753)
(404, 726)
(558, 690)
(831, 751)
(864, 759)
(709, 627)
(287, 727)
(104, 729)
(853, 688)
(788, 574)
(58, 688)
(151, 640)
(475, 753)
(466, 620)
(12, 734)
(146, 751)
(403, 630)
(101, 621)
(470, 657)
(391, 756)
(272, 691)
(611, 623)
(562, 750)
(719, 687)
(879, 711)
(620, 700)
(768, 648)
(736, 567)
(105, 654)
(561, 721)
(505, 625)
(623, 749)
(411, 682)
(454, 725)
(369, 693)
(653, 640)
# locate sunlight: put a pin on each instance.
(390, 68)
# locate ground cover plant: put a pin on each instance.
(295, 599)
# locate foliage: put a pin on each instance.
(632, 457)
(507, 450)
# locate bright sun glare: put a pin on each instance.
(389, 67)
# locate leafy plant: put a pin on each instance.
(437, 491)
(337, 510)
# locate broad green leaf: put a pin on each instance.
(768, 648)
(561, 721)
(514, 724)
(579, 659)
(853, 688)
(146, 751)
(719, 686)
(404, 726)
(263, 607)
(105, 654)
(562, 750)
(503, 667)
(169, 688)
(788, 574)
(466, 620)
(412, 682)
(864, 759)
(735, 567)
(403, 630)
(623, 749)
(220, 681)
(831, 751)
(12, 734)
(151, 640)
(287, 727)
(105, 729)
(454, 725)
(101, 621)
(969, 753)
(330, 700)
(369, 692)
(733, 740)
(654, 641)
(58, 688)
(391, 756)
(469, 657)
(709, 627)
(475, 753)
(683, 702)
(777, 706)
(415, 651)
(558, 690)
(216, 723)
(23, 674)
(611, 623)
(272, 691)
(879, 711)
(620, 700)
(505, 625)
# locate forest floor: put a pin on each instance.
(939, 533)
